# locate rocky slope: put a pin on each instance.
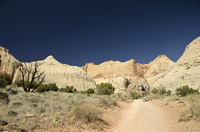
(62, 74)
(186, 71)
(8, 64)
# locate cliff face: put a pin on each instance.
(186, 70)
(117, 73)
(63, 74)
(114, 69)
(8, 64)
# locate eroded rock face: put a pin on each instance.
(63, 75)
(114, 69)
(186, 71)
(123, 74)
(158, 65)
(8, 64)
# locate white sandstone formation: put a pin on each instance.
(63, 75)
(8, 64)
(186, 70)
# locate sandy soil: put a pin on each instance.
(151, 116)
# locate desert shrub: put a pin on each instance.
(61, 90)
(47, 87)
(5, 80)
(134, 95)
(90, 91)
(42, 88)
(86, 112)
(107, 101)
(105, 89)
(68, 89)
(185, 90)
(161, 91)
(53, 87)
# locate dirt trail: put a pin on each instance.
(150, 116)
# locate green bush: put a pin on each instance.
(47, 87)
(105, 89)
(68, 89)
(5, 80)
(185, 90)
(90, 91)
(135, 95)
(53, 87)
(42, 88)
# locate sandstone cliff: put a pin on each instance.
(128, 74)
(186, 71)
(8, 64)
(63, 74)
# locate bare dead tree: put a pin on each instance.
(30, 74)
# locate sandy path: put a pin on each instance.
(141, 117)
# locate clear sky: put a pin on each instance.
(76, 32)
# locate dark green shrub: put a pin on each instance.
(161, 91)
(53, 87)
(105, 88)
(5, 80)
(185, 90)
(90, 91)
(68, 89)
(61, 90)
(47, 87)
(42, 88)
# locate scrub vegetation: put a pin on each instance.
(188, 96)
(28, 111)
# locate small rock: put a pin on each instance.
(30, 115)
(166, 104)
(189, 116)
(3, 123)
(56, 120)
(12, 113)
(180, 102)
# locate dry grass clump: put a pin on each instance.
(122, 97)
(52, 109)
(107, 101)
(173, 98)
(194, 104)
(87, 113)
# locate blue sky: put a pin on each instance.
(76, 32)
